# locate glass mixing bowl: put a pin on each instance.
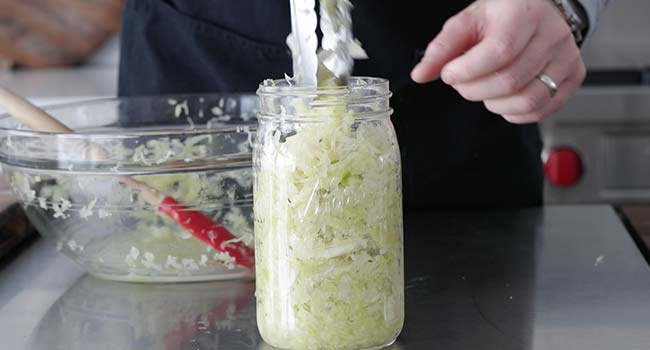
(196, 149)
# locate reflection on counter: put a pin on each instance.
(470, 280)
(476, 272)
(566, 277)
(97, 314)
(395, 346)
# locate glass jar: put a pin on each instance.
(328, 217)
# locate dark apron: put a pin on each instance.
(455, 153)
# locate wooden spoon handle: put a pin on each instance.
(39, 120)
(28, 114)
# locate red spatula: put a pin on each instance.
(195, 222)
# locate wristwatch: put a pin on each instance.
(575, 16)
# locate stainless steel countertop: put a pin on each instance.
(547, 278)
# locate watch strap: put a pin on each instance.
(575, 16)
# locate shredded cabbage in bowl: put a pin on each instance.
(328, 228)
(113, 233)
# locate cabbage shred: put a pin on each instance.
(328, 232)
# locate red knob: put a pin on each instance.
(563, 167)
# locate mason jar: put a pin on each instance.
(328, 217)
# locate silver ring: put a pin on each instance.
(549, 82)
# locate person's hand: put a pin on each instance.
(494, 51)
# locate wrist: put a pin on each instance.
(581, 12)
(575, 16)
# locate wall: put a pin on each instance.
(622, 38)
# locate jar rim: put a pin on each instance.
(284, 87)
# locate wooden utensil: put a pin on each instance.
(197, 223)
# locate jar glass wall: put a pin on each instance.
(328, 217)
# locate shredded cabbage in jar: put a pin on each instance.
(328, 228)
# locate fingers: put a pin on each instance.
(491, 54)
(512, 78)
(508, 80)
(457, 36)
(566, 89)
(535, 94)
(474, 43)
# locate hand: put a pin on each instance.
(494, 50)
